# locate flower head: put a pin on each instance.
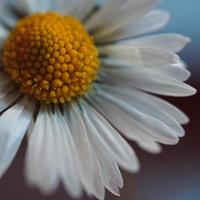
(51, 57)
(76, 77)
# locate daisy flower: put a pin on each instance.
(77, 77)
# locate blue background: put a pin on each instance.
(186, 20)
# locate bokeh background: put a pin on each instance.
(172, 175)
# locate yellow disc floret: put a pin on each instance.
(51, 57)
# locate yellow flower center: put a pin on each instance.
(51, 57)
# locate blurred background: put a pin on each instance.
(172, 175)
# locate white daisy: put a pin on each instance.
(75, 86)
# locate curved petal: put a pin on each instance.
(136, 99)
(163, 105)
(89, 167)
(151, 22)
(140, 55)
(168, 42)
(110, 172)
(112, 16)
(147, 80)
(177, 71)
(78, 8)
(13, 125)
(123, 123)
(66, 158)
(41, 155)
(113, 143)
(84, 7)
(119, 113)
(28, 7)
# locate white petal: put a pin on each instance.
(140, 55)
(66, 155)
(177, 71)
(89, 167)
(136, 99)
(146, 79)
(128, 12)
(41, 162)
(168, 42)
(56, 145)
(78, 8)
(117, 147)
(121, 111)
(64, 7)
(31, 6)
(113, 16)
(149, 145)
(111, 175)
(153, 21)
(123, 123)
(163, 105)
(96, 17)
(167, 107)
(84, 7)
(13, 125)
